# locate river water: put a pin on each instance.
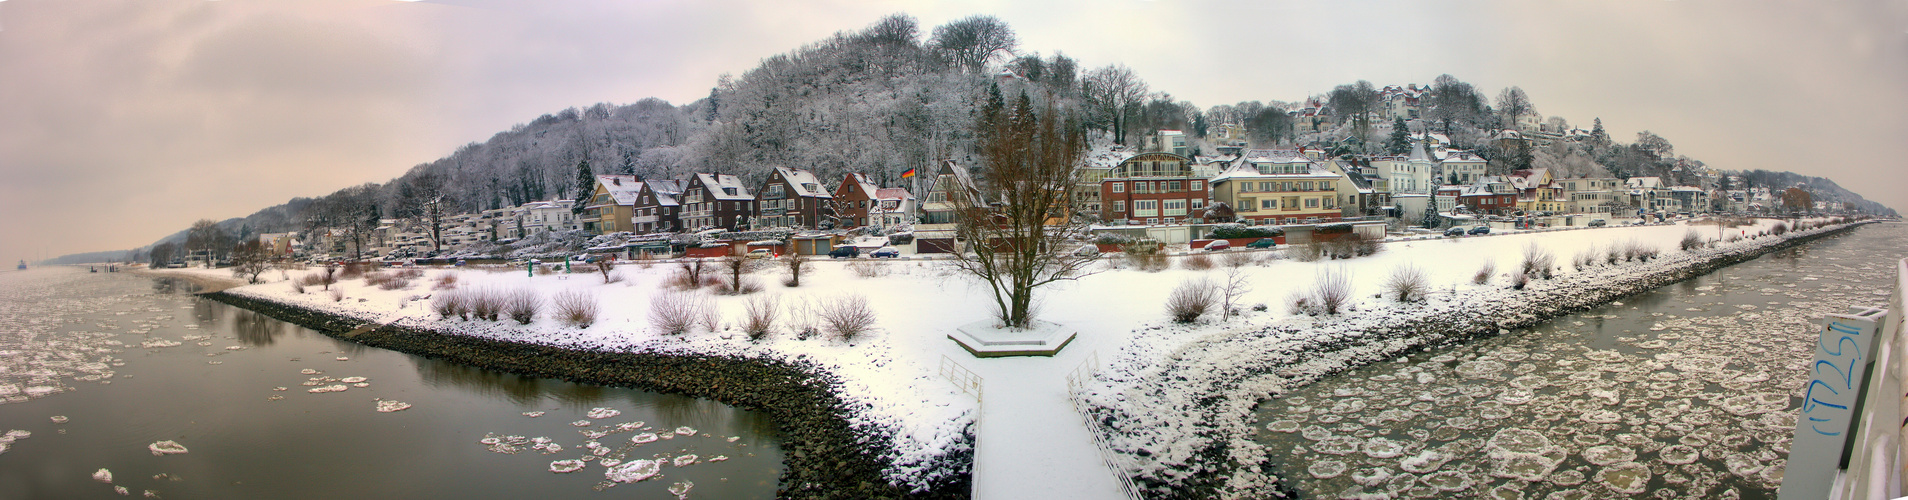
(1691, 390)
(97, 368)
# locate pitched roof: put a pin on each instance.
(868, 187)
(621, 187)
(666, 191)
(717, 183)
(803, 182)
(893, 194)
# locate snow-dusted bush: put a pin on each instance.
(803, 318)
(847, 317)
(297, 286)
(1779, 228)
(759, 314)
(1237, 259)
(1485, 273)
(868, 268)
(736, 279)
(1585, 259)
(796, 265)
(608, 269)
(446, 281)
(675, 313)
(575, 307)
(1519, 279)
(353, 270)
(337, 295)
(1196, 262)
(1690, 241)
(1305, 252)
(485, 304)
(1144, 256)
(1538, 261)
(688, 275)
(1362, 246)
(1407, 284)
(1332, 291)
(410, 273)
(1191, 299)
(450, 303)
(522, 305)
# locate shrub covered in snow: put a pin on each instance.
(759, 315)
(847, 317)
(1196, 262)
(485, 303)
(1485, 273)
(575, 307)
(522, 305)
(675, 313)
(1690, 241)
(1191, 299)
(450, 303)
(1538, 262)
(1407, 284)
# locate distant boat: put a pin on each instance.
(22, 265)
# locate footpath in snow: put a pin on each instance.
(1031, 443)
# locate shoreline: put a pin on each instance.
(824, 456)
(1229, 463)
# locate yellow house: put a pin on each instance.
(609, 209)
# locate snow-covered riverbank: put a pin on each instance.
(1177, 400)
(891, 382)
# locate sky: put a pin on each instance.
(122, 121)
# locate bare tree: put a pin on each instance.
(203, 238)
(1356, 102)
(425, 205)
(162, 254)
(797, 265)
(1235, 286)
(1029, 162)
(1512, 104)
(1114, 92)
(972, 41)
(251, 259)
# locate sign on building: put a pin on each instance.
(1845, 352)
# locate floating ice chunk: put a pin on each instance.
(533, 414)
(121, 490)
(1774, 472)
(280, 389)
(1379, 447)
(1425, 462)
(158, 343)
(634, 470)
(103, 475)
(1679, 454)
(1602, 417)
(629, 426)
(58, 419)
(167, 447)
(150, 493)
(602, 413)
(352, 380)
(342, 358)
(1608, 454)
(644, 438)
(1742, 465)
(1372, 476)
(1327, 469)
(1628, 477)
(1482, 368)
(685, 431)
(391, 405)
(566, 466)
(593, 433)
(719, 458)
(1518, 440)
(1449, 481)
(1567, 477)
(684, 461)
(681, 490)
(581, 423)
(361, 385)
(1525, 466)
(328, 388)
(609, 462)
(234, 347)
(309, 371)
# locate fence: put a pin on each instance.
(1116, 464)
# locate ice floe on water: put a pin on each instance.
(103, 475)
(328, 388)
(684, 460)
(58, 419)
(533, 414)
(391, 405)
(566, 466)
(600, 413)
(681, 489)
(353, 380)
(634, 471)
(167, 447)
(644, 438)
(685, 431)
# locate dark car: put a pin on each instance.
(1598, 223)
(844, 252)
(1480, 230)
(1262, 243)
(885, 253)
(1454, 231)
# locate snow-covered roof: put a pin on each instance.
(725, 187)
(803, 182)
(867, 186)
(623, 188)
(893, 194)
(666, 192)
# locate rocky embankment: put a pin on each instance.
(824, 456)
(1214, 384)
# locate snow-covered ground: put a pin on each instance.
(1031, 443)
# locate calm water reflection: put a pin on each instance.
(96, 348)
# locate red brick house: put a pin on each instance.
(715, 201)
(854, 198)
(657, 207)
(792, 198)
(1152, 188)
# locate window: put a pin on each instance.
(1119, 206)
(1269, 203)
(1305, 185)
(1119, 187)
(1311, 203)
(1196, 203)
(1175, 207)
(1172, 186)
(1291, 203)
(1268, 186)
(1291, 220)
(1152, 221)
(1145, 207)
(1198, 186)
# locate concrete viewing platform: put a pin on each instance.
(984, 340)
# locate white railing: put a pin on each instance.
(1875, 456)
(1116, 464)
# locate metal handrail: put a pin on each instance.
(1115, 463)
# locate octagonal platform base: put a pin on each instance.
(983, 340)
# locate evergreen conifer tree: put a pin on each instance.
(585, 185)
(1400, 142)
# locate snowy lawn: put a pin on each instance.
(893, 374)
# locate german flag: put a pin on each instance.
(907, 174)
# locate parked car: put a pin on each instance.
(759, 253)
(1454, 231)
(886, 253)
(1262, 243)
(1217, 245)
(1480, 230)
(844, 252)
(1598, 223)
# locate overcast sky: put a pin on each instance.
(122, 121)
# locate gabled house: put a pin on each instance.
(658, 207)
(1537, 191)
(1278, 187)
(1459, 167)
(1489, 196)
(792, 198)
(609, 207)
(854, 199)
(1153, 188)
(938, 210)
(892, 206)
(715, 201)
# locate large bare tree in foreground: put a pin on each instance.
(1016, 226)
